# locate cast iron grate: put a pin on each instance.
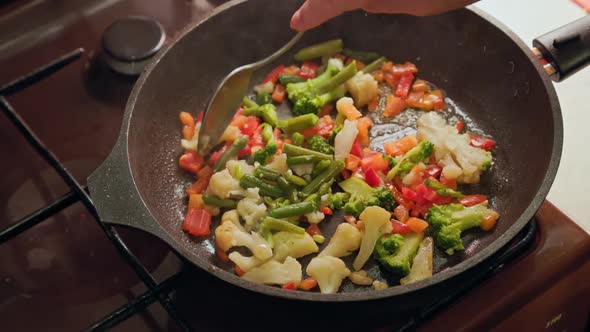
(160, 291)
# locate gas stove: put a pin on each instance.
(61, 269)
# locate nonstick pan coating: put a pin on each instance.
(482, 66)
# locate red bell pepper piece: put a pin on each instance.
(289, 286)
(372, 178)
(191, 161)
(197, 222)
(470, 200)
(433, 171)
(308, 70)
(399, 227)
(460, 125)
(482, 142)
(273, 76)
(326, 210)
(356, 150)
(404, 85)
(313, 229)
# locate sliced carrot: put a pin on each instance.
(348, 110)
(387, 66)
(187, 119)
(489, 220)
(195, 201)
(308, 284)
(417, 225)
(188, 132)
(363, 125)
(378, 75)
(401, 146)
(326, 210)
(352, 162)
(401, 213)
(278, 94)
(394, 105)
(420, 85)
(373, 104)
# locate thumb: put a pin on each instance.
(315, 12)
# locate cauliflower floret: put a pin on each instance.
(329, 272)
(288, 244)
(279, 164)
(232, 164)
(345, 240)
(251, 208)
(345, 139)
(315, 217)
(222, 183)
(246, 263)
(302, 169)
(363, 88)
(376, 223)
(227, 235)
(452, 150)
(234, 217)
(275, 273)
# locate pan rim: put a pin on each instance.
(372, 294)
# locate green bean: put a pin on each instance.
(267, 132)
(250, 181)
(247, 102)
(298, 123)
(364, 57)
(263, 98)
(231, 152)
(337, 80)
(238, 171)
(219, 202)
(266, 173)
(325, 188)
(373, 66)
(442, 189)
(326, 176)
(270, 223)
(286, 79)
(296, 180)
(329, 47)
(314, 199)
(295, 151)
(287, 188)
(320, 167)
(267, 112)
(297, 139)
(292, 210)
(300, 160)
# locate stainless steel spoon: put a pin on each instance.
(228, 97)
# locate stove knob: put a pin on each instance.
(130, 43)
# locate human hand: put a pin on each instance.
(315, 12)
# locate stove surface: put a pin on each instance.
(64, 274)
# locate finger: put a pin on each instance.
(315, 12)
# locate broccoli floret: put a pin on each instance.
(263, 98)
(417, 154)
(449, 221)
(395, 252)
(392, 161)
(306, 105)
(363, 195)
(330, 80)
(336, 201)
(320, 144)
(264, 155)
(267, 112)
(382, 197)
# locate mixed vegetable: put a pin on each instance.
(274, 180)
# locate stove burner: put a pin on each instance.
(130, 43)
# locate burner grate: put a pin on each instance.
(79, 193)
(159, 291)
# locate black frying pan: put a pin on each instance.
(489, 73)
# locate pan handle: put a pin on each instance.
(565, 49)
(116, 197)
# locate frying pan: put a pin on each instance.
(487, 71)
